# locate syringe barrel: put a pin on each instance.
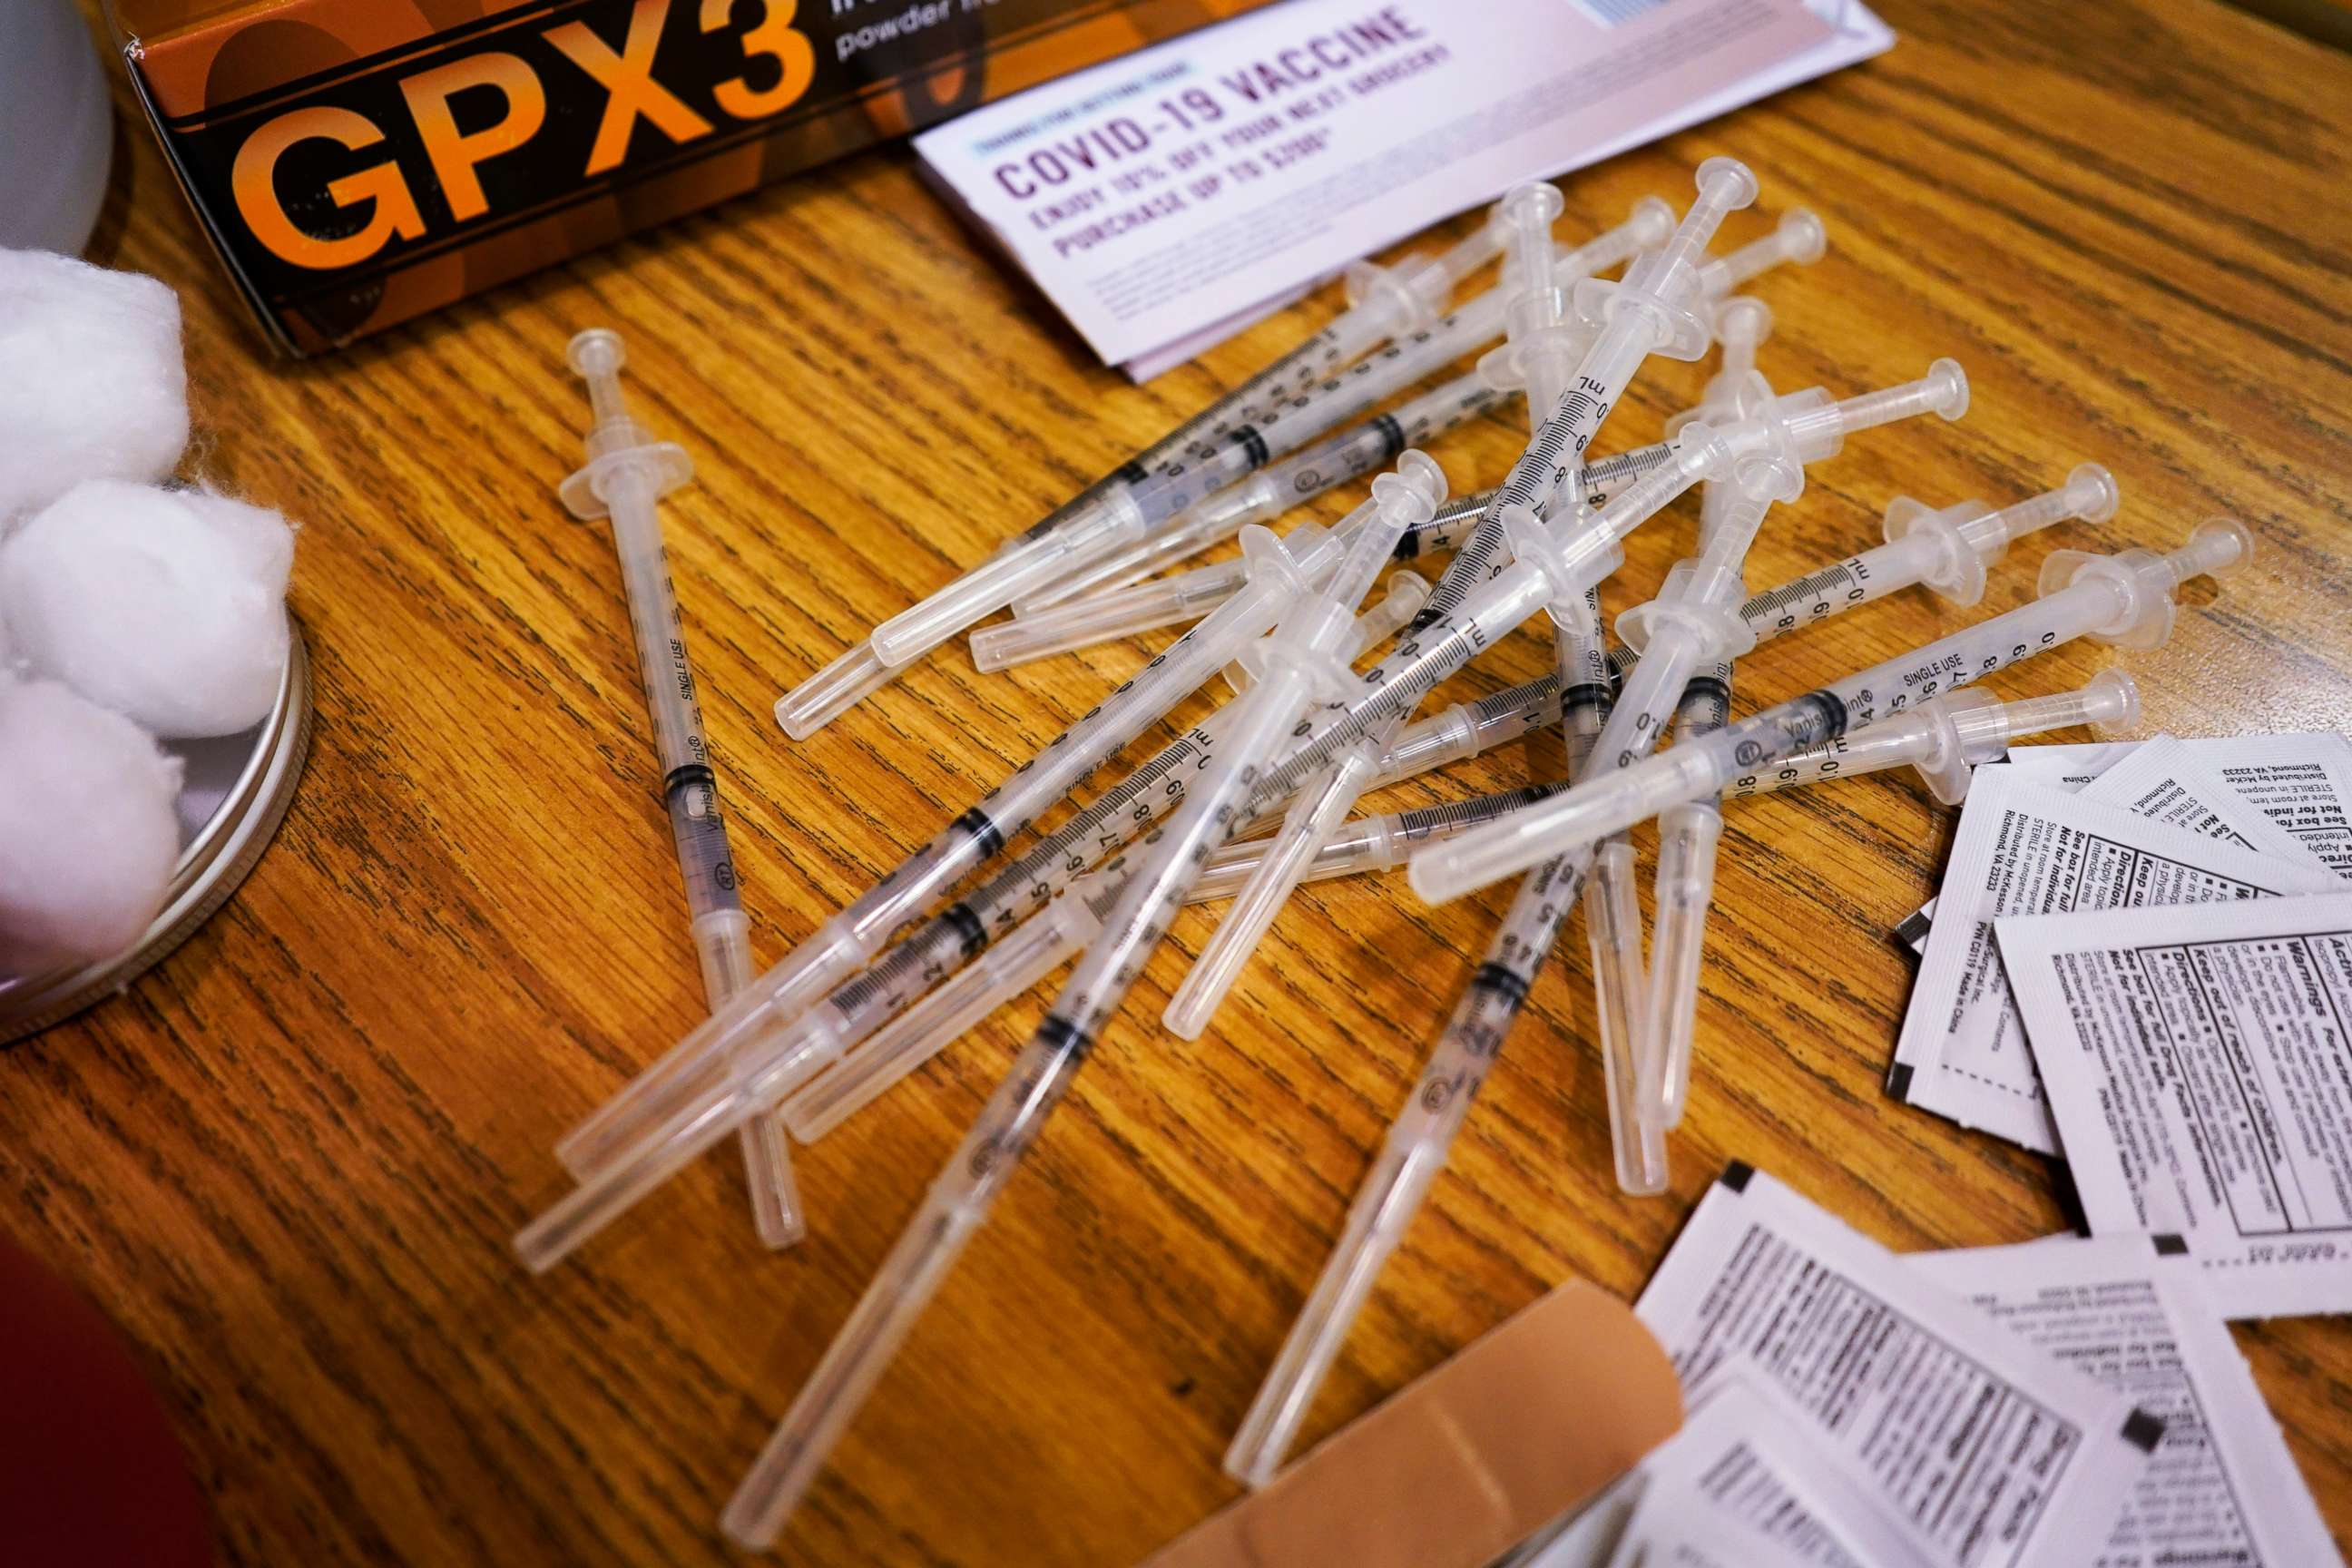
(1013, 963)
(1905, 737)
(1844, 585)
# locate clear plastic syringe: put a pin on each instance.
(2125, 599)
(1497, 582)
(1170, 601)
(1945, 739)
(755, 1051)
(1294, 666)
(1052, 936)
(1466, 730)
(1480, 604)
(1414, 1150)
(1151, 500)
(1693, 623)
(1367, 449)
(1947, 550)
(1383, 303)
(1649, 222)
(1651, 312)
(1941, 744)
(626, 473)
(1612, 920)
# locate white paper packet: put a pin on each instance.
(2198, 1064)
(2301, 780)
(2132, 1312)
(1888, 1372)
(2024, 847)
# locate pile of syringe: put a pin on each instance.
(1257, 796)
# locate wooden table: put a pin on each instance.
(291, 1160)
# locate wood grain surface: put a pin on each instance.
(291, 1159)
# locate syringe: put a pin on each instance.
(1048, 938)
(1649, 222)
(626, 473)
(1655, 317)
(765, 1044)
(1169, 601)
(1550, 563)
(1651, 309)
(1418, 1140)
(1611, 902)
(939, 946)
(1383, 303)
(1151, 500)
(1326, 465)
(655, 1116)
(2125, 599)
(1299, 660)
(1694, 622)
(1946, 738)
(1949, 551)
(1467, 729)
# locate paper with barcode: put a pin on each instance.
(2024, 847)
(1987, 1451)
(2132, 1312)
(2198, 1061)
(2301, 781)
(1186, 184)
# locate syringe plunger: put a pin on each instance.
(1968, 727)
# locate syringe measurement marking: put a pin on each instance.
(1821, 593)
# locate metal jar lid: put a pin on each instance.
(235, 794)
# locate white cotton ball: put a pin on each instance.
(91, 382)
(88, 828)
(165, 605)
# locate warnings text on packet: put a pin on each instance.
(1205, 138)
